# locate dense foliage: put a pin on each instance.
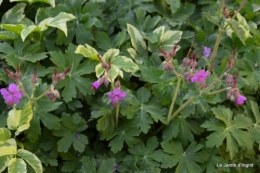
(144, 86)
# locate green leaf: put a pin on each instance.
(175, 5)
(148, 154)
(71, 126)
(17, 166)
(4, 162)
(145, 111)
(7, 35)
(124, 134)
(75, 79)
(14, 28)
(31, 159)
(136, 39)
(124, 63)
(5, 134)
(254, 115)
(180, 127)
(19, 120)
(107, 166)
(14, 15)
(49, 120)
(151, 74)
(88, 52)
(28, 30)
(88, 164)
(35, 57)
(211, 18)
(239, 27)
(186, 159)
(119, 39)
(58, 21)
(30, 2)
(7, 150)
(230, 129)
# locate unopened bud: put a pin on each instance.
(168, 66)
(186, 62)
(166, 55)
(117, 84)
(229, 79)
(106, 82)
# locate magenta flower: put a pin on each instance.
(240, 100)
(12, 95)
(206, 52)
(116, 95)
(96, 85)
(200, 76)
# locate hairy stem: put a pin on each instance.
(180, 108)
(214, 53)
(117, 114)
(174, 99)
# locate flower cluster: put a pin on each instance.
(233, 92)
(199, 76)
(116, 95)
(167, 64)
(12, 95)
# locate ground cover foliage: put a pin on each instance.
(144, 86)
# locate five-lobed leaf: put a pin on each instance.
(186, 159)
(231, 129)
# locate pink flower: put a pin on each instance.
(12, 95)
(206, 52)
(96, 85)
(116, 95)
(200, 76)
(240, 100)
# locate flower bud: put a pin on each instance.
(229, 79)
(186, 62)
(166, 55)
(117, 84)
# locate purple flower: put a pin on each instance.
(206, 52)
(96, 85)
(115, 168)
(240, 100)
(12, 95)
(116, 95)
(200, 76)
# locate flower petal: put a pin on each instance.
(12, 87)
(4, 92)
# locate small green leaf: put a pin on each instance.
(5, 134)
(19, 120)
(58, 21)
(87, 51)
(124, 63)
(136, 39)
(17, 166)
(31, 159)
(30, 2)
(211, 18)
